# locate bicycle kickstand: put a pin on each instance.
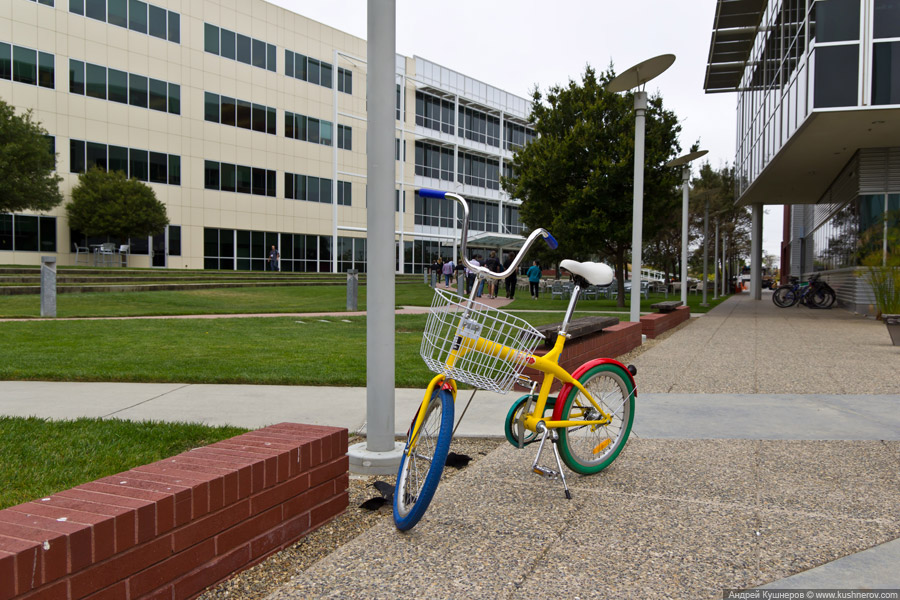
(550, 473)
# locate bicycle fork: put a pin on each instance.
(552, 434)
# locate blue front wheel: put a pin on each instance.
(420, 469)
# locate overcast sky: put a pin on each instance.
(517, 45)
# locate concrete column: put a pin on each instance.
(380, 454)
(48, 286)
(756, 252)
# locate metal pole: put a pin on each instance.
(380, 214)
(705, 251)
(716, 265)
(640, 105)
(685, 177)
(756, 252)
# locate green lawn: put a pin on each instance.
(326, 298)
(41, 457)
(257, 350)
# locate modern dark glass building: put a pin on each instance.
(818, 127)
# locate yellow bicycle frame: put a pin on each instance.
(547, 364)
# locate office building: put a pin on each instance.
(248, 121)
(818, 127)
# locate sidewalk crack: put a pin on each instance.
(158, 396)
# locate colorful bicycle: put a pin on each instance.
(465, 341)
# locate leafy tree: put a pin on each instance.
(27, 177)
(576, 179)
(717, 188)
(107, 204)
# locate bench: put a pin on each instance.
(578, 328)
(666, 306)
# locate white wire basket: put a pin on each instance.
(469, 331)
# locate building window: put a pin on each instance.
(153, 167)
(516, 136)
(479, 127)
(478, 171)
(27, 233)
(835, 21)
(345, 137)
(836, 76)
(238, 178)
(434, 161)
(235, 46)
(25, 65)
(314, 71)
(133, 15)
(344, 193)
(118, 86)
(308, 129)
(434, 113)
(345, 80)
(886, 72)
(243, 250)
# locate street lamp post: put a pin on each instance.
(634, 77)
(684, 161)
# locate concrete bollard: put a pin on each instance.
(352, 289)
(434, 277)
(461, 283)
(48, 286)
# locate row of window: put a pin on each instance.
(27, 233)
(315, 71)
(153, 167)
(238, 178)
(307, 129)
(228, 44)
(239, 113)
(434, 161)
(242, 250)
(134, 15)
(127, 88)
(168, 243)
(26, 65)
(315, 189)
(434, 112)
(479, 127)
(479, 171)
(45, 2)
(483, 216)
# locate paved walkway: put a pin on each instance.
(766, 450)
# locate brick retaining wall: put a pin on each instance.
(172, 528)
(656, 324)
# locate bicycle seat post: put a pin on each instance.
(571, 309)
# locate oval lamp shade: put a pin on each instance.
(641, 73)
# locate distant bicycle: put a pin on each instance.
(814, 293)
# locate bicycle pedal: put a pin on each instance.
(548, 473)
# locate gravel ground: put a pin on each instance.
(260, 581)
(263, 579)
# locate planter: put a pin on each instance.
(893, 325)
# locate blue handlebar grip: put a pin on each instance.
(551, 241)
(426, 193)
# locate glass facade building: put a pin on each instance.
(818, 125)
(246, 121)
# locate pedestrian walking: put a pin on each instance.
(273, 259)
(534, 279)
(512, 280)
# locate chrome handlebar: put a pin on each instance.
(480, 271)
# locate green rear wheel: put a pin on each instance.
(590, 448)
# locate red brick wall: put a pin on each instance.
(658, 323)
(609, 343)
(172, 528)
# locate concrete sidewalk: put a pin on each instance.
(766, 449)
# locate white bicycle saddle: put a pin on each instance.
(594, 273)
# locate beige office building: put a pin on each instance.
(249, 123)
